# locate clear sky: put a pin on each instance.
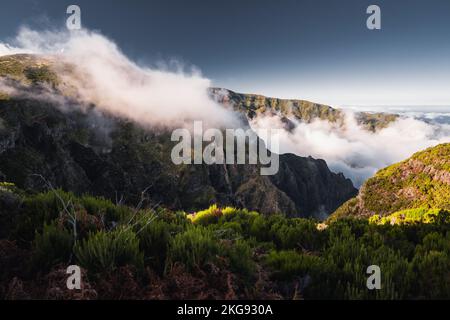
(313, 49)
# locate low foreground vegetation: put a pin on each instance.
(219, 253)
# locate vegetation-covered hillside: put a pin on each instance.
(420, 182)
(27, 69)
(220, 253)
(254, 105)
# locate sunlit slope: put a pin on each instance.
(422, 181)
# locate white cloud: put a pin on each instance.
(6, 49)
(351, 149)
(104, 76)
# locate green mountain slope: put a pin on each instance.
(422, 181)
(254, 105)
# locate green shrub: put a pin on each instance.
(105, 251)
(413, 253)
(412, 216)
(295, 233)
(240, 256)
(7, 186)
(105, 209)
(10, 207)
(208, 216)
(215, 214)
(228, 230)
(287, 265)
(194, 248)
(261, 225)
(54, 245)
(432, 280)
(243, 218)
(434, 241)
(154, 241)
(178, 221)
(39, 210)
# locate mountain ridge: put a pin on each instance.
(301, 110)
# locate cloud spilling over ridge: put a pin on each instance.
(353, 150)
(103, 75)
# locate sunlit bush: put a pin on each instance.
(411, 216)
(208, 216)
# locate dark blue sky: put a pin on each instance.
(313, 49)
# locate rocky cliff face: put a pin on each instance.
(422, 181)
(88, 152)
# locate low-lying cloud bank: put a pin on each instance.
(353, 150)
(103, 75)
